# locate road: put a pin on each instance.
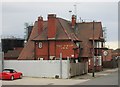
(111, 79)
(43, 81)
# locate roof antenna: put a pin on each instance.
(75, 10)
(70, 11)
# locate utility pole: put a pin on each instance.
(61, 65)
(93, 72)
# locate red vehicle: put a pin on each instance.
(10, 74)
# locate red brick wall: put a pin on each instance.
(52, 48)
(41, 52)
(55, 48)
(66, 47)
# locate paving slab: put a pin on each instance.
(97, 74)
(42, 81)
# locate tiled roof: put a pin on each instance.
(28, 51)
(64, 32)
(85, 33)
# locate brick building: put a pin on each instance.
(74, 40)
(85, 31)
(12, 47)
(108, 56)
(12, 54)
(50, 38)
(110, 59)
(10, 43)
(111, 54)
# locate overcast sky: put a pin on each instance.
(15, 14)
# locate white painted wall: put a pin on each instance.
(38, 68)
(0, 63)
(46, 68)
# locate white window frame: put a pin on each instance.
(40, 45)
(78, 44)
(98, 44)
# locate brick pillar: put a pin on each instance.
(51, 26)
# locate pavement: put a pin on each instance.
(42, 81)
(97, 74)
(111, 79)
(47, 81)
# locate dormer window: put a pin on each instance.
(40, 45)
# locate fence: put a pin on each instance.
(78, 69)
(47, 68)
(118, 71)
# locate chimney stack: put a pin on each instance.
(73, 21)
(51, 26)
(40, 24)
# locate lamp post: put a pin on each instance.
(93, 72)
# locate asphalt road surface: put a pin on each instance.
(111, 79)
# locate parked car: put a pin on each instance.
(10, 74)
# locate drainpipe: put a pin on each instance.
(35, 50)
(79, 53)
(48, 50)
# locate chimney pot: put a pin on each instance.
(73, 21)
(40, 18)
